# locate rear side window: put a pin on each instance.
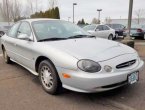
(13, 31)
(89, 28)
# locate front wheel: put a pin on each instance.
(6, 57)
(110, 37)
(49, 77)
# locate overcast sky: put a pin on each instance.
(87, 8)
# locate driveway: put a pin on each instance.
(20, 90)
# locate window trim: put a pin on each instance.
(30, 29)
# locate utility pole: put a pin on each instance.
(74, 12)
(127, 39)
(130, 16)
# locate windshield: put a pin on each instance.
(56, 29)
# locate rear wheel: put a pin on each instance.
(1, 34)
(6, 57)
(49, 77)
(110, 37)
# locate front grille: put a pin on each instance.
(126, 64)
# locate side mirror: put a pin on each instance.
(97, 30)
(24, 37)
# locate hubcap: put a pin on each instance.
(110, 37)
(116, 35)
(46, 77)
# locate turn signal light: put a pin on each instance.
(66, 75)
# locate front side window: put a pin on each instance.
(89, 27)
(56, 29)
(13, 31)
(100, 28)
(25, 29)
(105, 28)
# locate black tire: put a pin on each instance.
(144, 37)
(54, 86)
(1, 33)
(116, 36)
(6, 57)
(110, 37)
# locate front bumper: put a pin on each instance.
(90, 82)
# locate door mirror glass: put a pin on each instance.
(24, 37)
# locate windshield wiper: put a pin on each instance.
(91, 36)
(77, 36)
(51, 39)
(81, 36)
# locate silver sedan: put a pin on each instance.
(63, 55)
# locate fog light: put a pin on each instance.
(108, 68)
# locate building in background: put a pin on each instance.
(125, 21)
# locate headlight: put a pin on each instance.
(89, 66)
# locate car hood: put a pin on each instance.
(91, 48)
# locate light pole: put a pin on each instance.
(130, 16)
(73, 11)
(99, 11)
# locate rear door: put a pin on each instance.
(106, 31)
(10, 39)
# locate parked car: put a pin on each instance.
(119, 29)
(136, 32)
(64, 55)
(102, 31)
(3, 30)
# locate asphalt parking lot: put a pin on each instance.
(20, 90)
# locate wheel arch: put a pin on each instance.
(40, 59)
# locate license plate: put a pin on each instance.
(133, 78)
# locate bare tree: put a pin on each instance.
(15, 11)
(108, 20)
(139, 14)
(4, 9)
(52, 3)
(10, 9)
(95, 21)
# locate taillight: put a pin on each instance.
(139, 30)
